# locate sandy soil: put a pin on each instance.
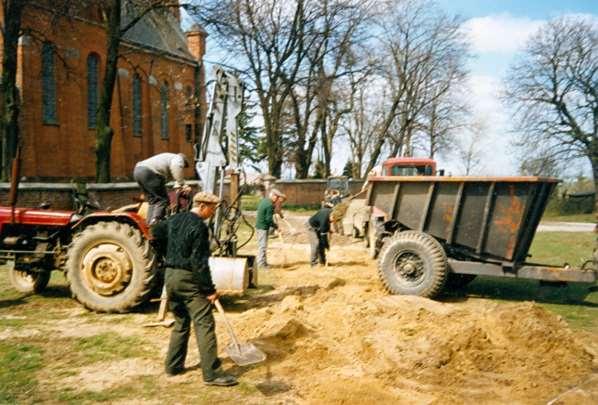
(333, 336)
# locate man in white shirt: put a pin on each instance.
(153, 173)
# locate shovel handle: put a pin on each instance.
(229, 327)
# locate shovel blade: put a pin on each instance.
(244, 354)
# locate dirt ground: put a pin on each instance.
(333, 336)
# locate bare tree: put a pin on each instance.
(359, 127)
(9, 101)
(343, 26)
(115, 31)
(442, 119)
(270, 37)
(554, 89)
(425, 52)
(12, 29)
(295, 52)
(468, 148)
(539, 166)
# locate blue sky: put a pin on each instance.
(498, 30)
(534, 9)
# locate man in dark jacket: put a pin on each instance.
(183, 240)
(318, 227)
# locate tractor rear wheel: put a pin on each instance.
(110, 267)
(413, 263)
(29, 282)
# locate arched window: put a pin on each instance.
(49, 115)
(137, 123)
(189, 96)
(164, 106)
(93, 66)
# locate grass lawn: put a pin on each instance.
(548, 216)
(249, 202)
(574, 302)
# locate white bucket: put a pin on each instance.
(229, 273)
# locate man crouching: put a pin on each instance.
(183, 239)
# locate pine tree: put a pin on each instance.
(252, 145)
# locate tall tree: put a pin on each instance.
(425, 52)
(554, 89)
(359, 127)
(468, 148)
(270, 37)
(9, 93)
(295, 51)
(115, 31)
(342, 27)
(12, 29)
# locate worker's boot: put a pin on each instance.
(223, 380)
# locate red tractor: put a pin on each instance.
(106, 256)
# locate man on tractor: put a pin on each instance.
(152, 174)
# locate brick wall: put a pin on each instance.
(66, 150)
(309, 192)
(114, 195)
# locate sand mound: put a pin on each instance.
(339, 343)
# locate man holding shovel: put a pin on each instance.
(183, 240)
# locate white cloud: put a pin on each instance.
(494, 147)
(502, 33)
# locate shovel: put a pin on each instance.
(162, 312)
(242, 354)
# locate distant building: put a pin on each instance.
(159, 99)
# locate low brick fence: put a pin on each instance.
(309, 192)
(114, 195)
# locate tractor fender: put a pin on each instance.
(125, 217)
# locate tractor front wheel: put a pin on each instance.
(29, 282)
(110, 267)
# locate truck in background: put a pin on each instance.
(359, 215)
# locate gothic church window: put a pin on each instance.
(93, 66)
(137, 122)
(49, 114)
(164, 107)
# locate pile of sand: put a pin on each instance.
(339, 338)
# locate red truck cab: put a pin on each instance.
(409, 166)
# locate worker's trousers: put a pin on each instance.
(317, 250)
(188, 303)
(262, 248)
(154, 188)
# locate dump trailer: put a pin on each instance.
(433, 232)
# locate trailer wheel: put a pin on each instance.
(413, 263)
(29, 282)
(110, 267)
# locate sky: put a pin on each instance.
(497, 31)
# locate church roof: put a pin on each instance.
(159, 29)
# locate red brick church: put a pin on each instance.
(159, 100)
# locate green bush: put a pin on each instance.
(567, 205)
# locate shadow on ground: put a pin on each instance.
(526, 290)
